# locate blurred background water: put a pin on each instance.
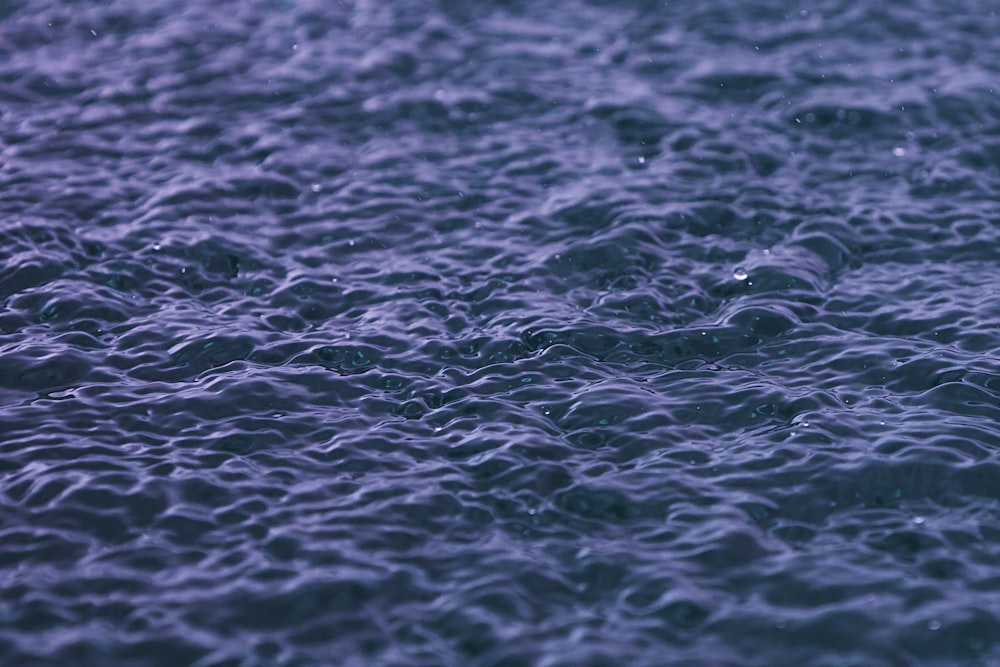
(499, 333)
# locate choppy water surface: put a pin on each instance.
(499, 333)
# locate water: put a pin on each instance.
(505, 333)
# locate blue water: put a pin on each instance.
(499, 333)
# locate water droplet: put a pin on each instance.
(899, 151)
(642, 160)
(740, 273)
(918, 520)
(315, 187)
(934, 624)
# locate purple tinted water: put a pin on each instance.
(505, 333)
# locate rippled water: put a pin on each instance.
(499, 333)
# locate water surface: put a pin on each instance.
(504, 333)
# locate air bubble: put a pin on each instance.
(740, 273)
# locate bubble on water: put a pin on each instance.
(740, 273)
(899, 151)
(918, 520)
(934, 624)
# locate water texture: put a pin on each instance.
(499, 333)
